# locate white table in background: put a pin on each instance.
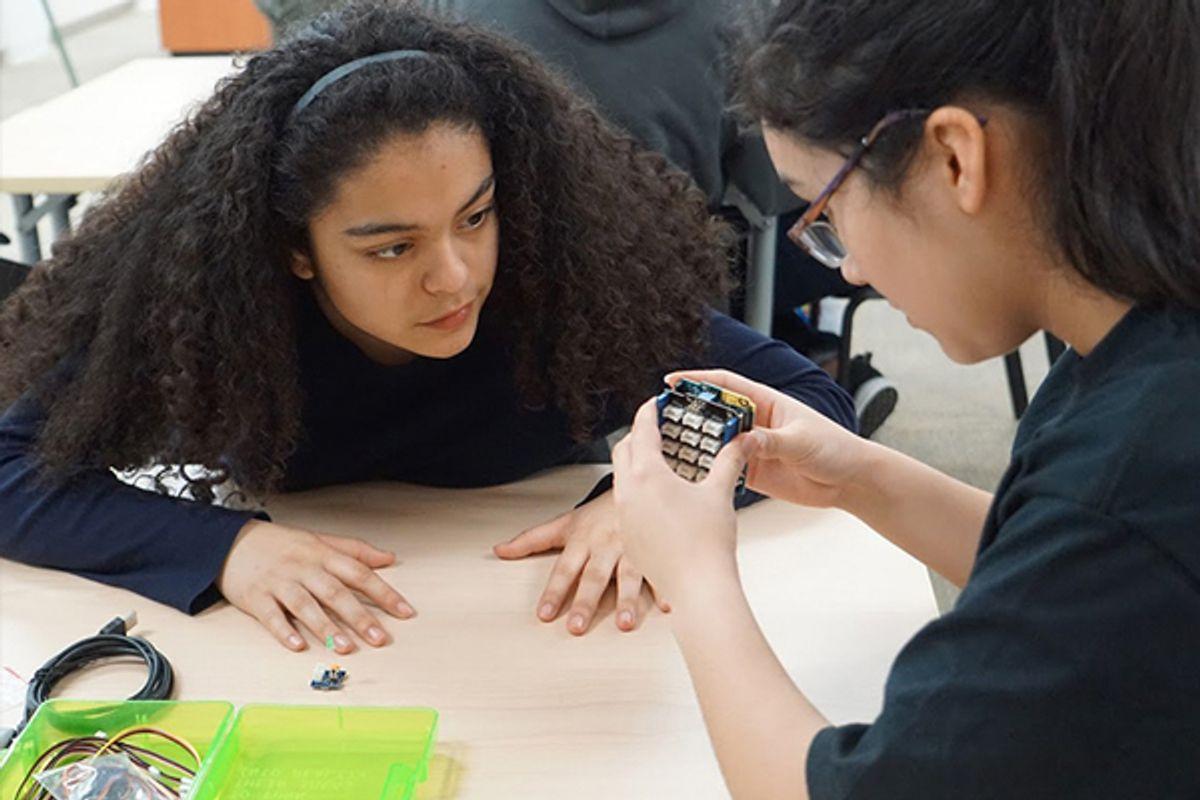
(83, 139)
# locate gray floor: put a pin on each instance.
(955, 418)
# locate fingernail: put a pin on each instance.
(404, 609)
(295, 642)
(375, 635)
(626, 619)
(341, 641)
(547, 611)
(577, 622)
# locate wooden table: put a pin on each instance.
(527, 710)
(82, 139)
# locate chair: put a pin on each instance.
(760, 259)
(1016, 373)
(1017, 390)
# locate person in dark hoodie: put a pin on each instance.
(660, 69)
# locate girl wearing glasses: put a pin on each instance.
(993, 168)
(392, 248)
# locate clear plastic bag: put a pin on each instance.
(112, 777)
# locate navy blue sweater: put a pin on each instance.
(455, 422)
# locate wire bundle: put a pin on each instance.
(175, 778)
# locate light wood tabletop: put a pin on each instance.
(527, 710)
(82, 139)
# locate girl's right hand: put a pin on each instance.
(278, 574)
(802, 457)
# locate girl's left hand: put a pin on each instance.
(677, 531)
(591, 554)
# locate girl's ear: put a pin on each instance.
(960, 145)
(302, 266)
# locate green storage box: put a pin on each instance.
(200, 723)
(302, 752)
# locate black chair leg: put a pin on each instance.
(1054, 348)
(856, 298)
(843, 359)
(844, 352)
(1016, 383)
(1018, 391)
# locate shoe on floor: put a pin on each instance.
(875, 396)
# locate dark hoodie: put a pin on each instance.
(612, 19)
(658, 68)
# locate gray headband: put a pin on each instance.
(335, 75)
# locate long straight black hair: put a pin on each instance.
(1113, 88)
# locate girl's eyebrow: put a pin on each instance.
(483, 189)
(377, 228)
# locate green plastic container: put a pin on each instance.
(202, 724)
(320, 752)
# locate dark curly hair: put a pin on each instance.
(164, 329)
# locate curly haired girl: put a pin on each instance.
(393, 247)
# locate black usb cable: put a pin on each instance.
(113, 641)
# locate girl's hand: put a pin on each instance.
(802, 457)
(677, 530)
(591, 554)
(278, 574)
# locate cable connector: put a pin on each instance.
(120, 626)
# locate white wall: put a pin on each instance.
(25, 34)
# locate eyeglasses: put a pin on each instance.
(817, 236)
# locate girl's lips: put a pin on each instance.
(452, 321)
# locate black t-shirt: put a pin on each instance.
(1070, 666)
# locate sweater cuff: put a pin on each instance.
(602, 486)
(201, 593)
